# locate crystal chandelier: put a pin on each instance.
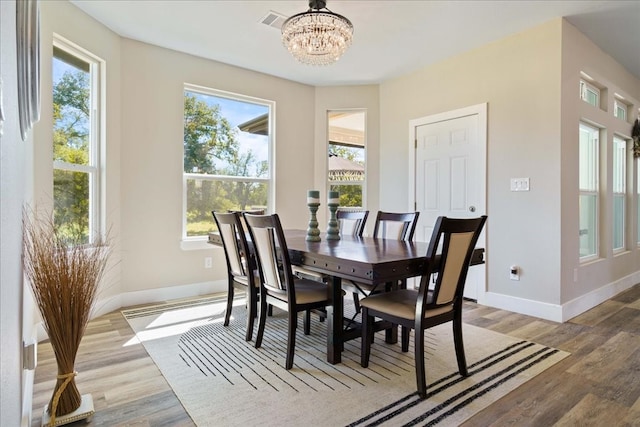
(317, 37)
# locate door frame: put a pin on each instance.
(481, 111)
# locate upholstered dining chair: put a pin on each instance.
(279, 286)
(392, 225)
(241, 265)
(426, 308)
(351, 222)
(388, 225)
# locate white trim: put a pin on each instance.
(197, 244)
(564, 312)
(147, 296)
(587, 301)
(155, 295)
(538, 309)
(270, 181)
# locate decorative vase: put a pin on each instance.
(333, 201)
(64, 273)
(313, 202)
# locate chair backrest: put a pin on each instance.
(234, 241)
(351, 222)
(398, 226)
(272, 254)
(459, 237)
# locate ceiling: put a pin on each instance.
(391, 38)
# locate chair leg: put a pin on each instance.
(367, 335)
(291, 339)
(307, 322)
(405, 338)
(253, 310)
(419, 360)
(459, 345)
(263, 320)
(230, 295)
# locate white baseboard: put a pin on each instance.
(160, 294)
(555, 312)
(598, 296)
(538, 309)
(147, 296)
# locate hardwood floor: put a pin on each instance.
(597, 385)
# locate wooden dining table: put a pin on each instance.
(375, 262)
(372, 261)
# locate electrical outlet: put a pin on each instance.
(514, 272)
(208, 262)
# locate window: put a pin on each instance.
(619, 191)
(589, 93)
(227, 156)
(620, 109)
(346, 163)
(76, 142)
(588, 181)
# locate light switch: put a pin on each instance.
(519, 184)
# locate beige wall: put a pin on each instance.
(518, 78)
(533, 114)
(152, 133)
(619, 270)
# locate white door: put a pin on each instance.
(450, 175)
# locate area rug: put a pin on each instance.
(222, 380)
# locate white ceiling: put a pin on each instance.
(391, 38)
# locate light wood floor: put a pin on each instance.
(598, 385)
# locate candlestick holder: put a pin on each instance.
(313, 202)
(333, 201)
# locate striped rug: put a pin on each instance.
(222, 380)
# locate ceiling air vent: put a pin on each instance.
(274, 19)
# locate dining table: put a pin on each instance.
(379, 263)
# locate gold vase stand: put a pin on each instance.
(84, 412)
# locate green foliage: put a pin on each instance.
(71, 119)
(350, 195)
(211, 147)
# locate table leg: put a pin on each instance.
(335, 313)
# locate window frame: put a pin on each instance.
(619, 105)
(586, 87)
(618, 194)
(362, 183)
(595, 175)
(194, 242)
(96, 168)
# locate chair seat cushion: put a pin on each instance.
(244, 280)
(400, 303)
(307, 292)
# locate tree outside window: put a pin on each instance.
(226, 156)
(75, 152)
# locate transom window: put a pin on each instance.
(589, 93)
(620, 109)
(76, 142)
(227, 156)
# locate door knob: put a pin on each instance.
(472, 208)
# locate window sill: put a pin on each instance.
(196, 245)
